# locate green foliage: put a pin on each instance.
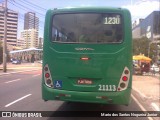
(140, 46)
(144, 46)
(154, 51)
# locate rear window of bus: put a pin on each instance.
(87, 28)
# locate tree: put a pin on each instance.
(154, 51)
(144, 46)
(140, 46)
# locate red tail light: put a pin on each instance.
(47, 76)
(125, 78)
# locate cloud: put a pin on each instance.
(143, 8)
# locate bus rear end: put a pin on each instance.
(87, 55)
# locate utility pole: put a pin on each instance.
(5, 39)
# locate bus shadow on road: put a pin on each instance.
(79, 106)
(91, 108)
(84, 108)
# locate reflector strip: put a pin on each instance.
(84, 58)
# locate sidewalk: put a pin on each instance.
(20, 67)
(148, 87)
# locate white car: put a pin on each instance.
(154, 68)
(16, 61)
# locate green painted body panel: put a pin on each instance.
(105, 65)
(121, 98)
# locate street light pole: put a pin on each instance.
(158, 48)
(149, 48)
(5, 39)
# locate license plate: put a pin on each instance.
(84, 82)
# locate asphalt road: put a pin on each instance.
(22, 92)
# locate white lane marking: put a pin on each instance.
(6, 74)
(1, 74)
(139, 104)
(36, 75)
(13, 81)
(155, 106)
(141, 94)
(17, 100)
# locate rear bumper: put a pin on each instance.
(122, 97)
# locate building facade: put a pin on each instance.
(40, 43)
(12, 23)
(31, 21)
(29, 38)
(21, 42)
(148, 27)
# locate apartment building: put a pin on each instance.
(31, 21)
(29, 38)
(21, 42)
(12, 23)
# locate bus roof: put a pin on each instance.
(77, 9)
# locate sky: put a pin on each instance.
(138, 8)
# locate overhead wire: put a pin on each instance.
(21, 5)
(31, 4)
(20, 8)
(24, 8)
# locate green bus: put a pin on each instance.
(87, 55)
